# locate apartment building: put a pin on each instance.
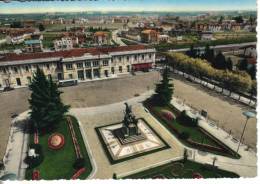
(81, 64)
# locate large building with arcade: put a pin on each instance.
(84, 64)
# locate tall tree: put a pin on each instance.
(220, 61)
(164, 90)
(41, 27)
(47, 110)
(229, 64)
(208, 54)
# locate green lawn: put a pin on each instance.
(195, 133)
(182, 170)
(58, 164)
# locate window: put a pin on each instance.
(95, 63)
(135, 57)
(120, 59)
(88, 64)
(113, 70)
(70, 76)
(15, 69)
(120, 69)
(29, 79)
(105, 62)
(69, 66)
(143, 57)
(47, 66)
(79, 65)
(150, 56)
(128, 68)
(27, 68)
(4, 70)
(18, 82)
(127, 58)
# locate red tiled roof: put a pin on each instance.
(69, 53)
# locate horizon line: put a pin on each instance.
(134, 11)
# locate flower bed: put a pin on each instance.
(168, 115)
(78, 173)
(36, 137)
(197, 176)
(74, 138)
(56, 141)
(36, 175)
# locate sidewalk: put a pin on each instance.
(225, 92)
(246, 166)
(17, 147)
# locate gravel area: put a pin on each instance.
(227, 112)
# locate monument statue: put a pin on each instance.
(130, 127)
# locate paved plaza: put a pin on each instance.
(150, 141)
(91, 94)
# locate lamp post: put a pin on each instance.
(248, 114)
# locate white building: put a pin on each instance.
(66, 43)
(80, 64)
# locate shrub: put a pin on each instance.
(187, 120)
(184, 135)
(79, 163)
(35, 161)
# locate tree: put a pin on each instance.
(220, 61)
(192, 52)
(164, 89)
(220, 19)
(239, 19)
(16, 24)
(47, 110)
(252, 72)
(229, 64)
(41, 27)
(243, 65)
(208, 54)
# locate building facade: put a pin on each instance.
(80, 64)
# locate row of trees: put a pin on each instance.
(47, 109)
(219, 61)
(238, 81)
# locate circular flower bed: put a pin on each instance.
(168, 115)
(197, 176)
(56, 141)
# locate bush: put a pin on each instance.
(187, 120)
(184, 135)
(35, 161)
(79, 163)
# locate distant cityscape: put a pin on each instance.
(128, 94)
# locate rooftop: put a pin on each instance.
(30, 42)
(69, 53)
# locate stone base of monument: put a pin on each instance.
(119, 147)
(124, 139)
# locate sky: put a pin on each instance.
(126, 5)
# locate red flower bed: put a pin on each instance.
(36, 175)
(74, 138)
(197, 176)
(36, 137)
(56, 141)
(78, 173)
(168, 115)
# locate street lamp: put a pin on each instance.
(248, 115)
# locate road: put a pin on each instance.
(117, 39)
(227, 46)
